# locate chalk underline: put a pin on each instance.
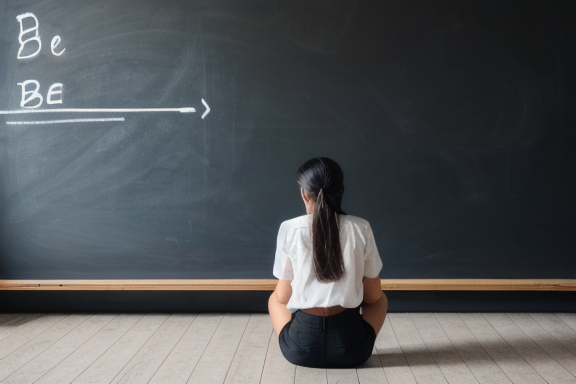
(97, 110)
(32, 122)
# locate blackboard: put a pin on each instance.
(453, 121)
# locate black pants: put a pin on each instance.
(344, 340)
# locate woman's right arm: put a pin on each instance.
(283, 291)
(279, 313)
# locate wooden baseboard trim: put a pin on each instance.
(270, 284)
(479, 285)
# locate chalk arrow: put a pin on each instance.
(98, 110)
(207, 109)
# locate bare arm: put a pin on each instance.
(375, 304)
(283, 291)
(279, 313)
(372, 290)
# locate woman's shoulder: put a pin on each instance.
(357, 228)
(354, 220)
(289, 228)
(297, 222)
(355, 224)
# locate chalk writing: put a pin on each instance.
(29, 36)
(54, 44)
(37, 122)
(97, 110)
(34, 39)
(32, 96)
(30, 19)
(54, 95)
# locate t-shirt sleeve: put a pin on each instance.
(372, 261)
(282, 264)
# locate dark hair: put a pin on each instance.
(323, 180)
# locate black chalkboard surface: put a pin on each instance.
(160, 139)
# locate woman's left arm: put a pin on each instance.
(372, 289)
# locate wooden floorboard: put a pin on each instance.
(241, 349)
(181, 362)
(23, 334)
(108, 366)
(57, 352)
(442, 350)
(532, 353)
(504, 355)
(544, 340)
(216, 359)
(561, 327)
(277, 370)
(470, 349)
(36, 346)
(372, 372)
(419, 358)
(394, 362)
(85, 356)
(150, 357)
(248, 363)
(10, 323)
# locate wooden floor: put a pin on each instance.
(236, 348)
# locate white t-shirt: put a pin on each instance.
(294, 261)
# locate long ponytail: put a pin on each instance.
(322, 180)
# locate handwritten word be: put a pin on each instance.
(30, 46)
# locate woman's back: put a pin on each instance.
(294, 261)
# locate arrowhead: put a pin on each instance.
(207, 109)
